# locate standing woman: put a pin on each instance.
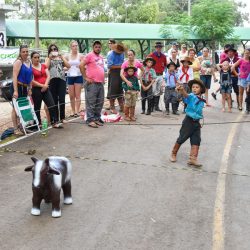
(55, 63)
(115, 60)
(40, 89)
(174, 59)
(196, 66)
(74, 79)
(22, 78)
(244, 65)
(131, 62)
(206, 72)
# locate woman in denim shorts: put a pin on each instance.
(244, 65)
(74, 79)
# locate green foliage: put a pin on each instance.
(213, 19)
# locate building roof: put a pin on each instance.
(102, 31)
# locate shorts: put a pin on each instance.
(206, 79)
(131, 98)
(242, 82)
(226, 89)
(71, 80)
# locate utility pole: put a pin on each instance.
(36, 25)
(189, 7)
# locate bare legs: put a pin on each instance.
(241, 92)
(75, 97)
(226, 98)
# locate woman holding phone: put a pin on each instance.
(55, 62)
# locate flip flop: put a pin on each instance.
(98, 123)
(93, 125)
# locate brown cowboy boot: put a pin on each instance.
(132, 114)
(174, 152)
(126, 112)
(193, 156)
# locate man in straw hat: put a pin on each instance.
(114, 60)
(191, 128)
(159, 67)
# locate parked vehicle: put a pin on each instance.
(5, 89)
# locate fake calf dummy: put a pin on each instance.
(49, 177)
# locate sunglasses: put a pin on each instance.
(54, 49)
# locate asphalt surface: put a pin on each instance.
(126, 193)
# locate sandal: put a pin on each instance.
(99, 123)
(76, 115)
(93, 125)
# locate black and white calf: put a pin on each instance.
(49, 177)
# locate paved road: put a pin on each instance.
(146, 203)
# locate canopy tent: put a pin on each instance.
(85, 31)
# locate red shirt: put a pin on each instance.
(161, 62)
(40, 76)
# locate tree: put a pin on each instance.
(213, 20)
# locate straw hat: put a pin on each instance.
(119, 48)
(186, 59)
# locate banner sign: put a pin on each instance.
(8, 56)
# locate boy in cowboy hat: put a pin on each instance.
(148, 79)
(171, 80)
(185, 72)
(191, 127)
(131, 93)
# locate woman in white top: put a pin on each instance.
(74, 78)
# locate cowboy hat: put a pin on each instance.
(159, 44)
(149, 59)
(119, 48)
(130, 67)
(199, 82)
(186, 59)
(172, 63)
(231, 48)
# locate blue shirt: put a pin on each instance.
(194, 106)
(114, 59)
(25, 74)
(171, 79)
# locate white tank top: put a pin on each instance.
(74, 70)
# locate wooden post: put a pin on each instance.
(36, 25)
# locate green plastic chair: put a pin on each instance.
(25, 111)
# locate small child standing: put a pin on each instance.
(191, 127)
(185, 73)
(131, 93)
(171, 80)
(148, 79)
(226, 85)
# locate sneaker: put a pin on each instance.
(214, 96)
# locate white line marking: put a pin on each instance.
(29, 135)
(219, 208)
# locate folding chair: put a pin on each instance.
(25, 111)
